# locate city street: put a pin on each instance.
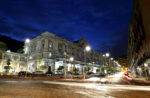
(56, 89)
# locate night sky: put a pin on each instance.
(104, 23)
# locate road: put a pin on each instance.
(55, 89)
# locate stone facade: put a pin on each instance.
(17, 62)
(48, 52)
(139, 36)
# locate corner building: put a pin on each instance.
(52, 52)
(139, 36)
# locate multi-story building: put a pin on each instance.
(139, 37)
(17, 62)
(49, 52)
(122, 61)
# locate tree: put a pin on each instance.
(8, 67)
(87, 68)
(103, 69)
(3, 46)
(60, 68)
(43, 67)
(97, 70)
(75, 69)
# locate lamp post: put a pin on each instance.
(71, 60)
(105, 57)
(107, 54)
(27, 41)
(65, 54)
(106, 60)
(87, 49)
(145, 65)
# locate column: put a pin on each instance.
(38, 46)
(46, 45)
(53, 66)
(18, 67)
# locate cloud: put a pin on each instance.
(17, 30)
(95, 20)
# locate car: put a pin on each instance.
(76, 74)
(38, 73)
(102, 75)
(69, 73)
(89, 73)
(49, 73)
(24, 73)
(59, 72)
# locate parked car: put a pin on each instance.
(102, 75)
(76, 74)
(89, 73)
(59, 72)
(69, 73)
(49, 73)
(38, 73)
(24, 73)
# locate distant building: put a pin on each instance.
(18, 62)
(49, 52)
(139, 37)
(122, 61)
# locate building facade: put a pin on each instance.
(139, 36)
(49, 52)
(17, 62)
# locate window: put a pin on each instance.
(22, 58)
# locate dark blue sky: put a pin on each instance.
(101, 22)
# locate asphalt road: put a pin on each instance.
(53, 89)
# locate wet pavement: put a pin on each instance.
(55, 89)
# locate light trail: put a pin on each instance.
(97, 86)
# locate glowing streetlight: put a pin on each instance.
(87, 48)
(27, 40)
(104, 55)
(107, 54)
(50, 54)
(8, 51)
(111, 58)
(71, 59)
(145, 64)
(30, 57)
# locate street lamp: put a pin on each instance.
(27, 40)
(107, 54)
(111, 58)
(104, 55)
(87, 49)
(146, 74)
(71, 59)
(8, 51)
(65, 54)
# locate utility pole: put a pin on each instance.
(65, 54)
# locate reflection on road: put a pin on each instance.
(97, 86)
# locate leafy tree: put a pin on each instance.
(3, 46)
(75, 69)
(87, 68)
(2, 49)
(97, 70)
(8, 67)
(60, 68)
(43, 67)
(103, 69)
